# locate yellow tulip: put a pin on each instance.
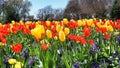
(92, 25)
(1, 25)
(94, 19)
(49, 33)
(72, 20)
(59, 28)
(11, 61)
(1, 44)
(62, 36)
(36, 33)
(110, 28)
(48, 23)
(28, 22)
(18, 65)
(89, 22)
(55, 37)
(65, 20)
(21, 22)
(79, 23)
(13, 22)
(57, 22)
(40, 28)
(83, 22)
(99, 25)
(67, 31)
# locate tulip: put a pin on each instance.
(1, 44)
(44, 47)
(48, 23)
(49, 33)
(55, 37)
(65, 20)
(110, 28)
(91, 42)
(59, 28)
(40, 28)
(18, 65)
(37, 31)
(17, 48)
(79, 23)
(11, 61)
(67, 31)
(62, 36)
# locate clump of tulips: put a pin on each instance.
(85, 43)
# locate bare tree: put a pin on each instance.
(88, 8)
(48, 13)
(72, 9)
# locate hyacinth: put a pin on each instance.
(118, 38)
(30, 62)
(49, 33)
(62, 36)
(95, 65)
(25, 53)
(76, 64)
(6, 59)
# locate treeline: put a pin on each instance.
(75, 9)
(14, 10)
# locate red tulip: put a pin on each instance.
(17, 47)
(91, 42)
(107, 36)
(44, 47)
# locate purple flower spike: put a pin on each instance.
(30, 62)
(118, 38)
(76, 64)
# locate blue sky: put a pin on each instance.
(37, 4)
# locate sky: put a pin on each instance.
(37, 4)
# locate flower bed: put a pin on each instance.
(86, 43)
